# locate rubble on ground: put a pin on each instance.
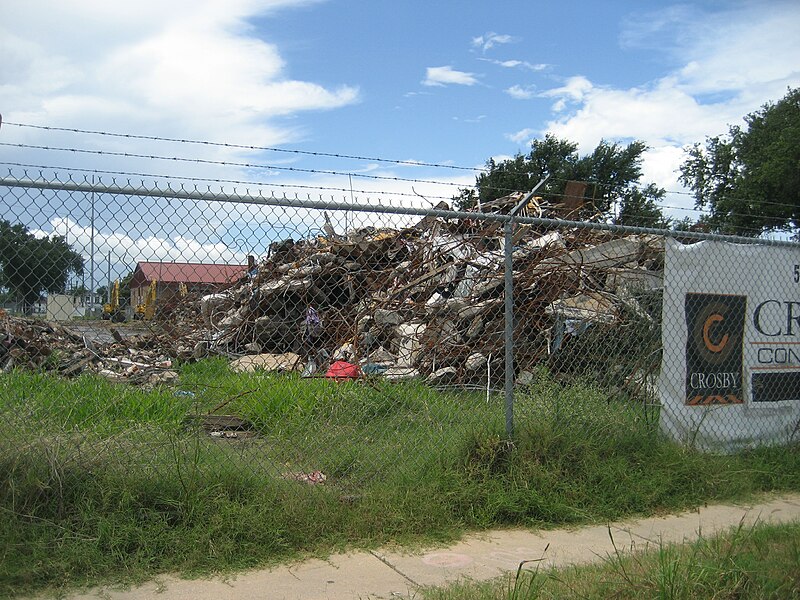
(33, 344)
(428, 300)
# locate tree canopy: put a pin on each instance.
(749, 179)
(612, 171)
(31, 265)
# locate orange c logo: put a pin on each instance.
(710, 322)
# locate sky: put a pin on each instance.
(448, 83)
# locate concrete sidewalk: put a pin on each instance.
(391, 574)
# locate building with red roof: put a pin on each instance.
(197, 277)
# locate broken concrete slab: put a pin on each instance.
(475, 361)
(390, 318)
(633, 279)
(584, 307)
(288, 361)
(401, 373)
(406, 344)
(442, 376)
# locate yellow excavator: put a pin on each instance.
(113, 311)
(147, 309)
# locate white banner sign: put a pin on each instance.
(730, 372)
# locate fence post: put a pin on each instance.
(509, 327)
(509, 313)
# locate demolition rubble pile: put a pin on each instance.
(428, 300)
(33, 344)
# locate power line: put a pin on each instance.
(412, 163)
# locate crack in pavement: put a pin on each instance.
(395, 569)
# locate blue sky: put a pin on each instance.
(443, 82)
(386, 54)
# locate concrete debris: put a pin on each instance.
(475, 361)
(619, 279)
(401, 373)
(584, 307)
(143, 360)
(442, 376)
(288, 361)
(428, 301)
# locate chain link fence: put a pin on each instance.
(333, 345)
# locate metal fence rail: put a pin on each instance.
(367, 338)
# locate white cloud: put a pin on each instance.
(513, 64)
(439, 76)
(574, 89)
(729, 64)
(490, 39)
(521, 93)
(476, 119)
(662, 113)
(192, 68)
(523, 136)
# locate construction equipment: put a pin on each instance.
(147, 309)
(112, 311)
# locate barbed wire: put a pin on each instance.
(411, 163)
(230, 164)
(154, 176)
(206, 180)
(324, 154)
(611, 216)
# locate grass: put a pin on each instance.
(110, 483)
(757, 563)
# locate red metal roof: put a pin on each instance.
(175, 272)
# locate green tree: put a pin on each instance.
(749, 179)
(638, 207)
(125, 289)
(31, 265)
(612, 171)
